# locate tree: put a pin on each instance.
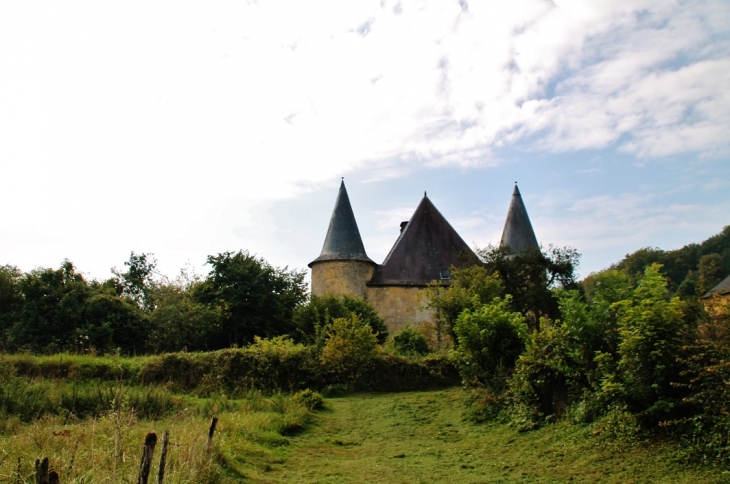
(349, 349)
(491, 337)
(137, 283)
(649, 325)
(320, 310)
(179, 322)
(53, 308)
(409, 342)
(253, 298)
(10, 299)
(529, 276)
(113, 323)
(469, 287)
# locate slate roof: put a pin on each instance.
(427, 245)
(343, 241)
(518, 231)
(719, 290)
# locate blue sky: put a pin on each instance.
(186, 130)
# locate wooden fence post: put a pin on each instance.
(41, 471)
(163, 456)
(149, 449)
(44, 475)
(210, 434)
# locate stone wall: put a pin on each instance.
(400, 306)
(341, 277)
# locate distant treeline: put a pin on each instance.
(139, 311)
(691, 271)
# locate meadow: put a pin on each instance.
(92, 430)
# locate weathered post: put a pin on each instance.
(210, 434)
(43, 473)
(163, 456)
(149, 449)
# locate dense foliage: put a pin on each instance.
(138, 310)
(408, 341)
(692, 270)
(311, 317)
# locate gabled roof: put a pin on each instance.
(518, 232)
(343, 241)
(719, 290)
(427, 245)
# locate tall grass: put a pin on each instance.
(28, 400)
(83, 449)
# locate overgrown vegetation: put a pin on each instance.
(138, 311)
(632, 352)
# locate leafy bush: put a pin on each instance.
(547, 377)
(311, 318)
(409, 342)
(490, 339)
(349, 350)
(649, 326)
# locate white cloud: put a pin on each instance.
(153, 123)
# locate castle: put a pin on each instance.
(426, 248)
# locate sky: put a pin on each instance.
(187, 129)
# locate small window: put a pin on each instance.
(445, 274)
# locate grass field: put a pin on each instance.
(375, 438)
(423, 438)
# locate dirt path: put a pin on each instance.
(423, 438)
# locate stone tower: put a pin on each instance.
(342, 267)
(518, 232)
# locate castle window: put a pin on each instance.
(445, 274)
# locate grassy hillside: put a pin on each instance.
(424, 437)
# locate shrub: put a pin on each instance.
(409, 342)
(649, 326)
(310, 318)
(349, 350)
(491, 338)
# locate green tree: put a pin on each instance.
(253, 298)
(491, 337)
(320, 310)
(710, 272)
(11, 300)
(113, 323)
(530, 275)
(52, 310)
(349, 350)
(179, 322)
(649, 325)
(469, 288)
(137, 282)
(409, 342)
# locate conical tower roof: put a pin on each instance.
(343, 241)
(518, 232)
(425, 250)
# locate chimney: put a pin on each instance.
(403, 226)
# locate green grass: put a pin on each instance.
(374, 438)
(423, 437)
(82, 450)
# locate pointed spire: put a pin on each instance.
(518, 232)
(343, 241)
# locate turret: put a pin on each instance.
(342, 267)
(518, 233)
